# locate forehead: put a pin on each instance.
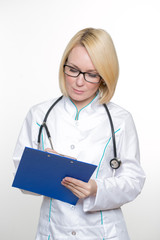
(80, 58)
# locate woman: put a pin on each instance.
(80, 128)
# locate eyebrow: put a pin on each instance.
(89, 70)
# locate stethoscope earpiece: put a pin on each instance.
(115, 163)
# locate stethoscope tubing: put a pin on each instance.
(114, 163)
(45, 125)
(112, 130)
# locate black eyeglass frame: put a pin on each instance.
(80, 73)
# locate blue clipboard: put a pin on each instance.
(42, 172)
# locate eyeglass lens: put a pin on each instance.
(88, 76)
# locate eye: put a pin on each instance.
(73, 70)
(92, 75)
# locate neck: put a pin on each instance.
(81, 104)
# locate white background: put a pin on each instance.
(33, 35)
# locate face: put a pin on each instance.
(80, 91)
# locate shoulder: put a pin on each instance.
(43, 106)
(39, 110)
(118, 111)
(120, 115)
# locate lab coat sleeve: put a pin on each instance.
(127, 183)
(27, 138)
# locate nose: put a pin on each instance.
(80, 80)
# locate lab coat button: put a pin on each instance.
(73, 233)
(72, 146)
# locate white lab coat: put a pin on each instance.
(87, 136)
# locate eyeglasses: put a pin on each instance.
(88, 76)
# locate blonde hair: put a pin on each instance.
(101, 50)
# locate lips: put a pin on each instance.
(78, 91)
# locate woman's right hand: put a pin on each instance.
(50, 150)
(53, 151)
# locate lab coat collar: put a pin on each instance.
(71, 108)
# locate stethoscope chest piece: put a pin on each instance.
(115, 163)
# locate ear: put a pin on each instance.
(103, 82)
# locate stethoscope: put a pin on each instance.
(114, 162)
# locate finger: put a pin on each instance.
(77, 190)
(75, 182)
(80, 193)
(50, 150)
(73, 186)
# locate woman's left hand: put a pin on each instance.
(79, 188)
